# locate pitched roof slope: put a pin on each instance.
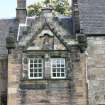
(92, 16)
(5, 25)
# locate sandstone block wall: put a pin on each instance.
(3, 81)
(47, 91)
(79, 92)
(96, 70)
(14, 68)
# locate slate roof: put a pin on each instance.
(5, 25)
(92, 16)
(66, 22)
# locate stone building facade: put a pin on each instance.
(92, 21)
(54, 60)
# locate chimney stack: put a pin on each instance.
(76, 19)
(21, 11)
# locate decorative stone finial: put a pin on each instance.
(47, 11)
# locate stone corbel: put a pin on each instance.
(82, 42)
(10, 43)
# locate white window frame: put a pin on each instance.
(33, 68)
(59, 68)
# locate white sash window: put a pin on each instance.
(35, 66)
(58, 68)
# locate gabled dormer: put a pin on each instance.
(45, 41)
(46, 32)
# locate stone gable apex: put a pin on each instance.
(41, 25)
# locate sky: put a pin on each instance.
(8, 8)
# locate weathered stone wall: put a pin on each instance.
(44, 92)
(3, 81)
(47, 91)
(78, 83)
(3, 75)
(96, 70)
(14, 68)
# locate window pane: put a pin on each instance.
(40, 70)
(54, 65)
(35, 75)
(62, 75)
(62, 69)
(40, 65)
(58, 61)
(40, 61)
(58, 65)
(58, 74)
(35, 65)
(40, 74)
(31, 65)
(31, 74)
(54, 61)
(31, 70)
(31, 61)
(62, 61)
(35, 70)
(58, 70)
(54, 74)
(54, 70)
(62, 65)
